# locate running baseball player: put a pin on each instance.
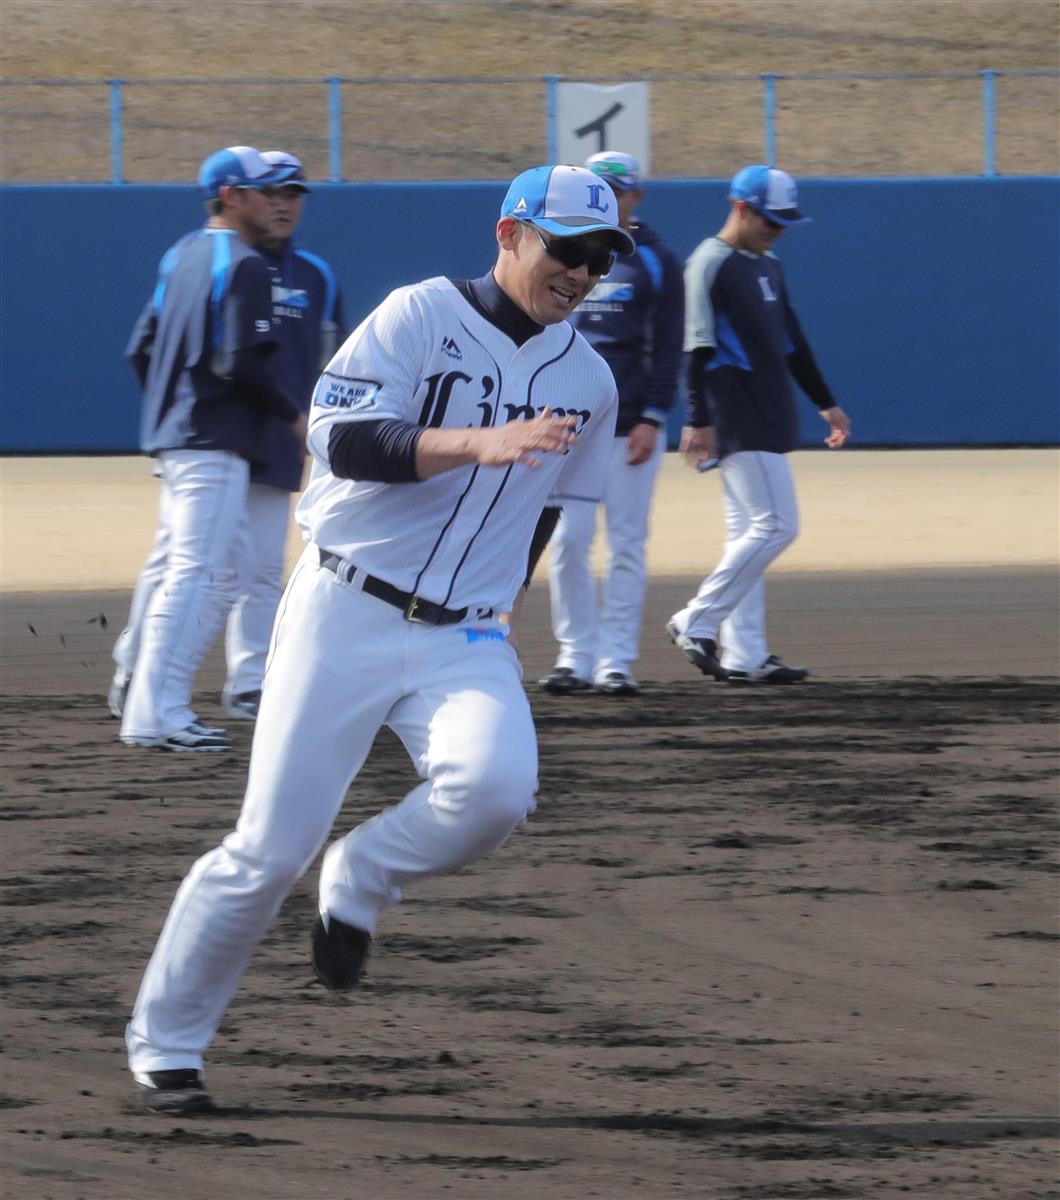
(307, 325)
(199, 350)
(743, 340)
(437, 433)
(634, 319)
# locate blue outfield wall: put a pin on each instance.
(932, 304)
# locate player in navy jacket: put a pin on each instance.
(200, 351)
(634, 320)
(744, 341)
(308, 326)
(305, 327)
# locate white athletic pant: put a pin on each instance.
(127, 647)
(259, 585)
(761, 519)
(597, 637)
(341, 665)
(258, 582)
(207, 492)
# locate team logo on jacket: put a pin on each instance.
(607, 297)
(290, 297)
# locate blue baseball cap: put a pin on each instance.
(768, 191)
(622, 171)
(235, 166)
(291, 173)
(566, 202)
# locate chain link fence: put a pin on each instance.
(158, 131)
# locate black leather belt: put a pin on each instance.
(414, 608)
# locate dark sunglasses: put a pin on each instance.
(572, 252)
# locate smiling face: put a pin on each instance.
(546, 290)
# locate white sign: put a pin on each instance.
(590, 118)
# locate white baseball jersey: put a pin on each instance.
(426, 356)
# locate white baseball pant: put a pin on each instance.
(259, 585)
(207, 496)
(127, 647)
(761, 520)
(596, 637)
(341, 665)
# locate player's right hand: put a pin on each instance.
(698, 445)
(524, 441)
(839, 424)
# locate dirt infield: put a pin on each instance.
(754, 945)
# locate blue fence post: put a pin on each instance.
(989, 127)
(115, 131)
(551, 108)
(335, 128)
(769, 105)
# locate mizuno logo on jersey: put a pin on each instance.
(450, 348)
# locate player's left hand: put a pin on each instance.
(840, 424)
(641, 443)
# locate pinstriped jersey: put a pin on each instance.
(426, 356)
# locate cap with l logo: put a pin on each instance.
(566, 202)
(769, 191)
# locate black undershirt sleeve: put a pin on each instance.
(249, 371)
(807, 374)
(382, 451)
(546, 525)
(696, 383)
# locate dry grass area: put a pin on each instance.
(401, 130)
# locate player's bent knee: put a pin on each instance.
(496, 802)
(261, 872)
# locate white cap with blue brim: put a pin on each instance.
(566, 202)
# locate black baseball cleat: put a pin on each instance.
(194, 738)
(174, 1093)
(563, 682)
(771, 671)
(617, 683)
(242, 706)
(339, 953)
(700, 652)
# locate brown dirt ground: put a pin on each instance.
(754, 945)
(474, 131)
